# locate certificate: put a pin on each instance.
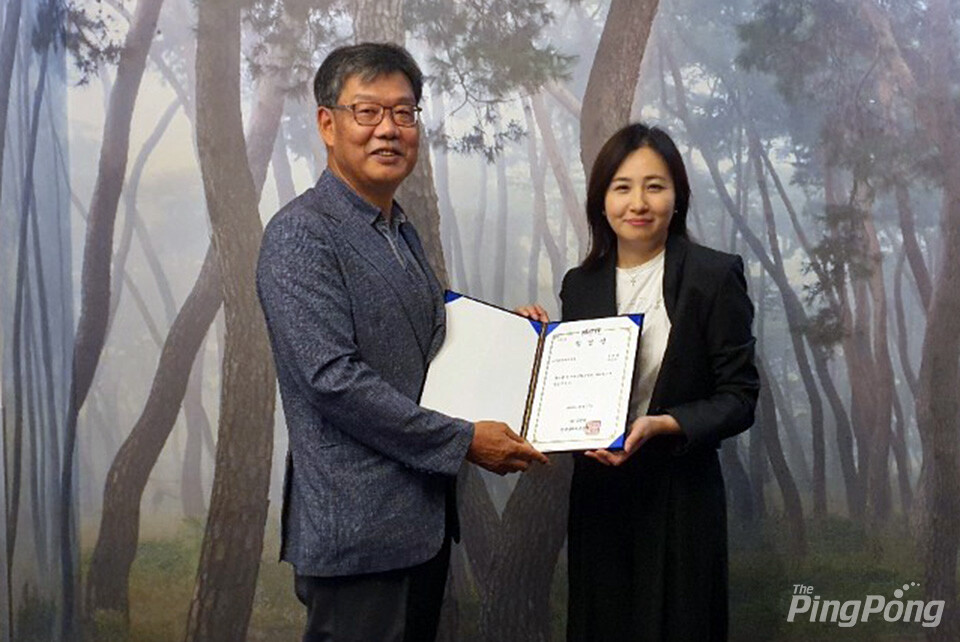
(562, 385)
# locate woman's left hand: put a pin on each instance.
(642, 429)
(534, 311)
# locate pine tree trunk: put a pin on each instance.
(107, 581)
(37, 422)
(538, 171)
(738, 484)
(478, 263)
(131, 215)
(614, 74)
(115, 549)
(379, 21)
(273, 85)
(792, 507)
(282, 174)
(878, 474)
(191, 477)
(95, 277)
(938, 415)
(8, 54)
(14, 451)
(531, 532)
(819, 481)
(796, 452)
(449, 224)
(796, 320)
(568, 194)
(516, 554)
(911, 246)
(233, 539)
(500, 234)
(46, 391)
(757, 461)
(95, 281)
(902, 458)
(903, 347)
(938, 405)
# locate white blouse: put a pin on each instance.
(640, 290)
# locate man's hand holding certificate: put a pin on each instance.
(566, 385)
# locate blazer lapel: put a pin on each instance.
(672, 270)
(600, 297)
(436, 290)
(371, 245)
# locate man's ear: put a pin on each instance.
(326, 125)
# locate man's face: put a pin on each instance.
(372, 159)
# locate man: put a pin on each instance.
(355, 314)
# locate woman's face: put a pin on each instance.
(639, 201)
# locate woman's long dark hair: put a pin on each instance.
(603, 241)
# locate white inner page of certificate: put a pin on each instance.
(583, 385)
(483, 369)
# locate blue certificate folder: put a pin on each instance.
(564, 385)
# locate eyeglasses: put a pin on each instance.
(369, 114)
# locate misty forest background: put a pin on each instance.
(145, 142)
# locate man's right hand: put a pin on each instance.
(500, 450)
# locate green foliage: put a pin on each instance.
(161, 587)
(825, 328)
(845, 561)
(483, 53)
(161, 584)
(106, 626)
(87, 35)
(755, 577)
(487, 50)
(809, 46)
(277, 614)
(36, 617)
(771, 40)
(843, 254)
(306, 27)
(843, 249)
(477, 141)
(825, 59)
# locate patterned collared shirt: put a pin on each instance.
(359, 206)
(391, 232)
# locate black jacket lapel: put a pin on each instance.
(600, 298)
(672, 277)
(672, 269)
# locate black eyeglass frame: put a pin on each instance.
(381, 110)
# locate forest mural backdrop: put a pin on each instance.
(145, 142)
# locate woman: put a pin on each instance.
(647, 528)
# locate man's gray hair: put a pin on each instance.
(367, 60)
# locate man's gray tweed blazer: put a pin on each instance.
(352, 335)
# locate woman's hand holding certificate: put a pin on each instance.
(535, 312)
(642, 429)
